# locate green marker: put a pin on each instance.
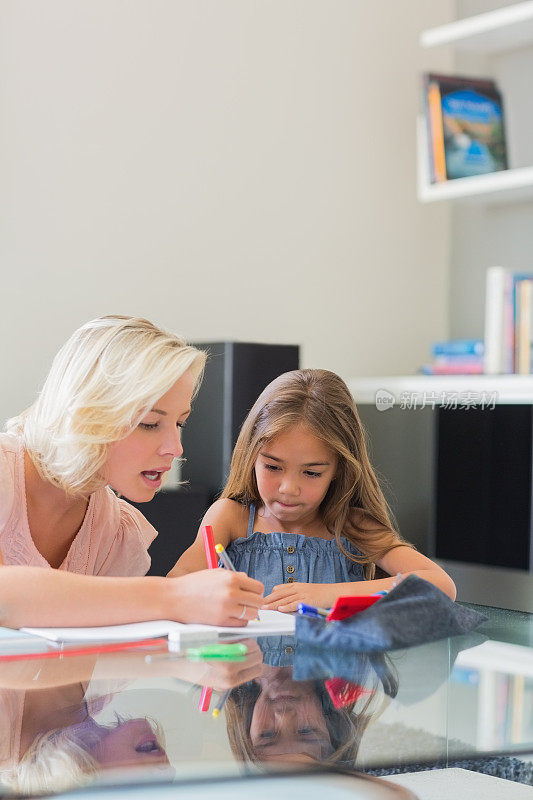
(229, 652)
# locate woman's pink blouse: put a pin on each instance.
(113, 539)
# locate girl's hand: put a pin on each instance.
(286, 596)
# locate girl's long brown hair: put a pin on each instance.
(354, 505)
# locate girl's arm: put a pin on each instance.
(224, 517)
(401, 559)
(407, 561)
(37, 597)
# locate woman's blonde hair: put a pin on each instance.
(354, 505)
(62, 759)
(102, 382)
(55, 762)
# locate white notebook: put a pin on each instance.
(269, 623)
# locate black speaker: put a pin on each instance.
(236, 373)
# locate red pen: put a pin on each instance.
(209, 544)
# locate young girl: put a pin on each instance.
(302, 510)
(109, 417)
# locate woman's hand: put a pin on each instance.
(286, 596)
(223, 675)
(213, 597)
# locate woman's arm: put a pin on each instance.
(36, 597)
(223, 516)
(37, 674)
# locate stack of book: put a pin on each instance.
(456, 357)
(465, 125)
(508, 322)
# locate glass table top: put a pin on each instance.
(146, 717)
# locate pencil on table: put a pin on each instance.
(220, 705)
(226, 560)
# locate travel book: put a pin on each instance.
(465, 125)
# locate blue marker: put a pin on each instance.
(311, 611)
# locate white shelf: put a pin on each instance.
(507, 186)
(493, 32)
(508, 389)
(511, 659)
(494, 188)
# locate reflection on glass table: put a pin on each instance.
(133, 717)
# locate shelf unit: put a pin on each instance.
(492, 33)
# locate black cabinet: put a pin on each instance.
(235, 375)
(176, 515)
(483, 477)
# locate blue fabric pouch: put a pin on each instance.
(414, 612)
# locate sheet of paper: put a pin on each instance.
(269, 623)
(13, 641)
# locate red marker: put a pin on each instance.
(345, 607)
(205, 698)
(343, 693)
(209, 544)
(212, 563)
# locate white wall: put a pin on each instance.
(229, 168)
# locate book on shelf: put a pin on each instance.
(473, 367)
(458, 347)
(508, 321)
(456, 357)
(465, 126)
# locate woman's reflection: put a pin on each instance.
(49, 737)
(57, 744)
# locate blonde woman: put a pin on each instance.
(109, 417)
(302, 510)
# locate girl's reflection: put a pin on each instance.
(277, 719)
(288, 718)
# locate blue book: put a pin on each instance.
(458, 347)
